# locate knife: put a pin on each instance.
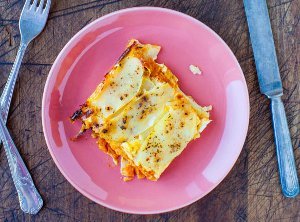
(270, 84)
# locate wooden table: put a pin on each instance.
(250, 192)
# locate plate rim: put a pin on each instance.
(60, 57)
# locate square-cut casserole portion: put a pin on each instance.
(139, 115)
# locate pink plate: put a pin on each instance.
(81, 66)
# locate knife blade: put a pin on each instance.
(270, 84)
(263, 47)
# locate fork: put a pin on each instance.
(32, 21)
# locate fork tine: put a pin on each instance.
(33, 5)
(47, 8)
(41, 5)
(27, 4)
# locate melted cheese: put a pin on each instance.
(119, 88)
(166, 141)
(138, 113)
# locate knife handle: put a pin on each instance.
(285, 156)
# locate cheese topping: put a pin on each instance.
(139, 114)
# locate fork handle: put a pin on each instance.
(285, 156)
(29, 198)
(10, 84)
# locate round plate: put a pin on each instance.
(82, 64)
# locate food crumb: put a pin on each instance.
(195, 70)
(207, 108)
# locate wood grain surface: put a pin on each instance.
(250, 192)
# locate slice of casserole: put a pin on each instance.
(139, 115)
